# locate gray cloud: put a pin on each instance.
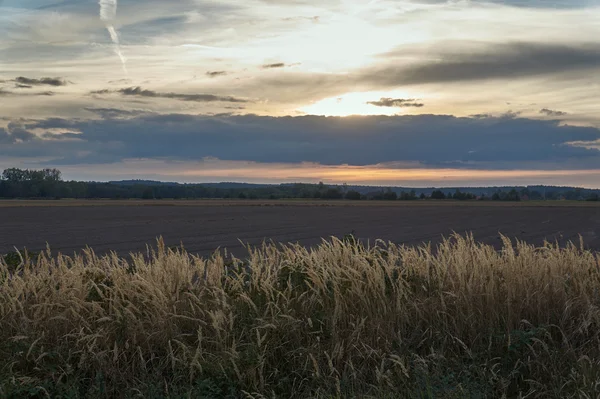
(273, 66)
(214, 74)
(550, 112)
(103, 91)
(510, 114)
(139, 92)
(6, 93)
(114, 113)
(15, 133)
(5, 137)
(396, 102)
(445, 63)
(40, 82)
(60, 136)
(481, 116)
(486, 61)
(433, 140)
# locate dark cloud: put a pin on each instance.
(468, 62)
(510, 114)
(481, 116)
(139, 92)
(22, 86)
(103, 91)
(5, 93)
(433, 140)
(214, 74)
(5, 137)
(41, 82)
(114, 113)
(396, 102)
(550, 112)
(15, 133)
(273, 66)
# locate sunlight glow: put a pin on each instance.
(357, 103)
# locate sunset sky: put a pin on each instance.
(383, 92)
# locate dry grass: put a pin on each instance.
(340, 320)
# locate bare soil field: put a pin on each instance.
(203, 226)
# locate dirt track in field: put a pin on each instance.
(203, 227)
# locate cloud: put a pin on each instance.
(114, 113)
(60, 136)
(481, 116)
(101, 92)
(40, 82)
(510, 114)
(314, 19)
(273, 66)
(214, 74)
(550, 112)
(431, 140)
(396, 102)
(139, 92)
(15, 134)
(5, 93)
(445, 63)
(455, 62)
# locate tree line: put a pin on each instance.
(49, 184)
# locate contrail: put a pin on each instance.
(108, 13)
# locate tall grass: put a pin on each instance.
(339, 320)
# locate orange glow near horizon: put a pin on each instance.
(407, 175)
(370, 174)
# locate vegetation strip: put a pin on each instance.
(339, 320)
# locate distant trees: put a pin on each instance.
(48, 183)
(15, 175)
(390, 195)
(458, 195)
(438, 194)
(44, 183)
(512, 195)
(332, 193)
(410, 196)
(353, 195)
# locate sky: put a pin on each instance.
(385, 92)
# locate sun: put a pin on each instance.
(357, 103)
